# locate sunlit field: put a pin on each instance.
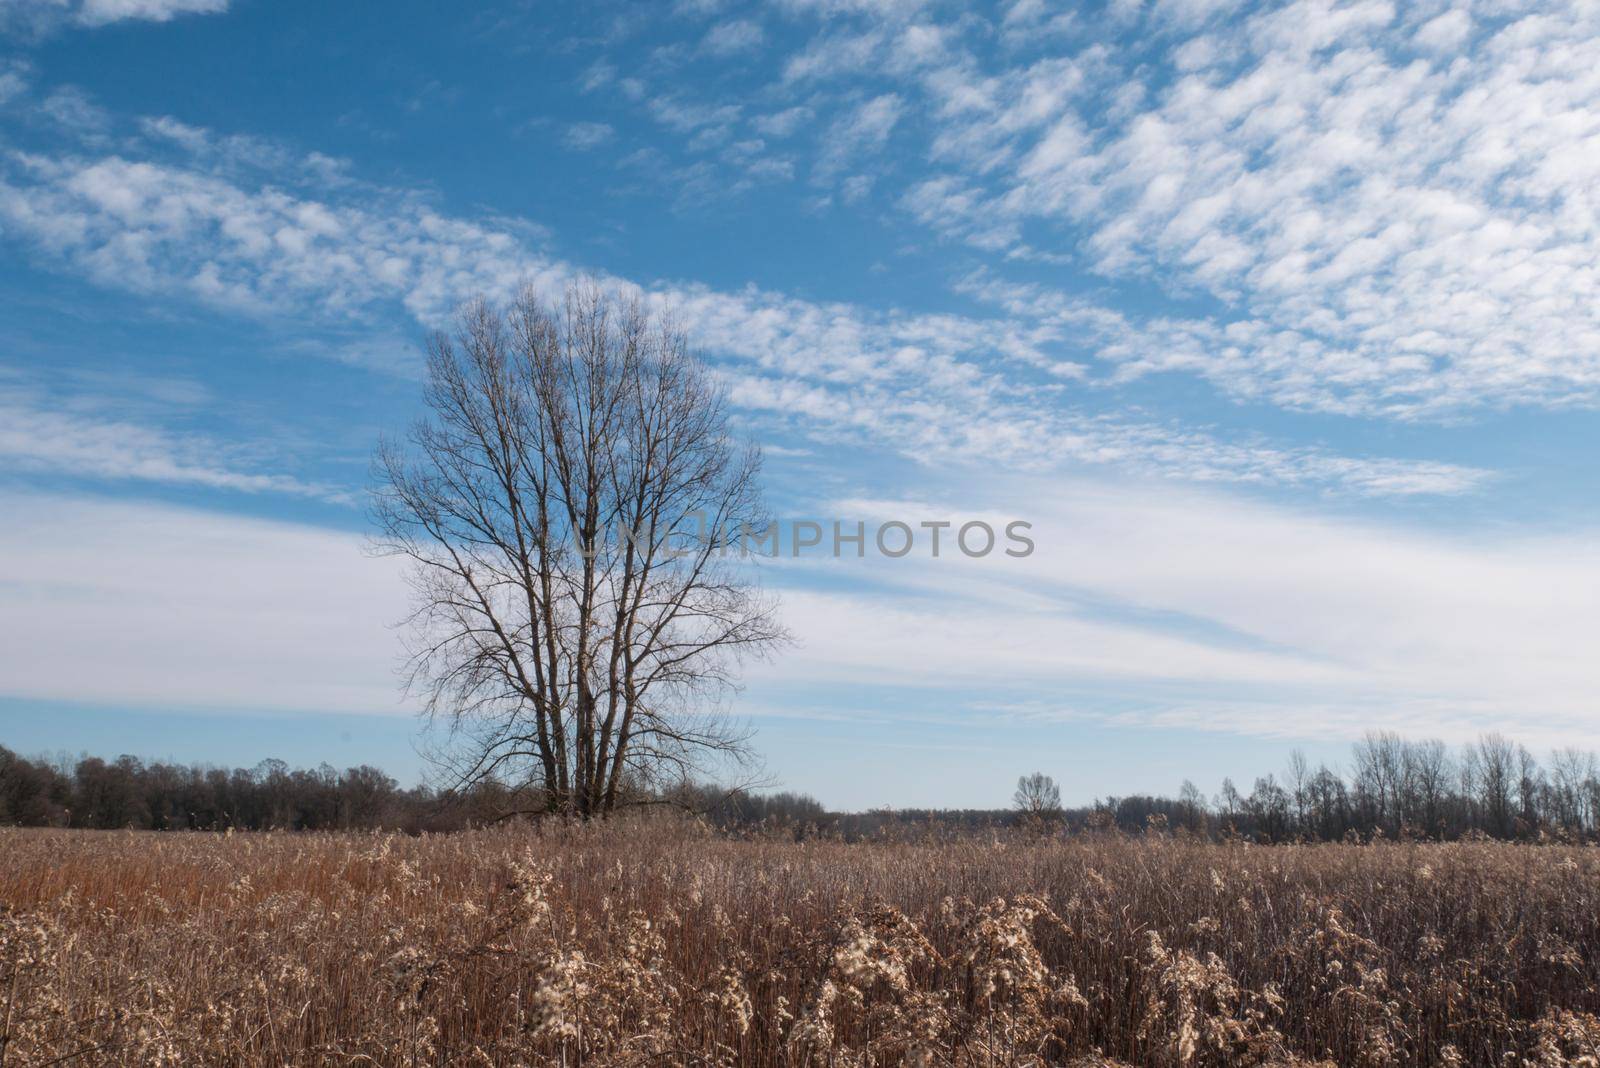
(659, 944)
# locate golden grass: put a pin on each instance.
(654, 944)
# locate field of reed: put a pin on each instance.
(658, 944)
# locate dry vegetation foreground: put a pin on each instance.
(643, 945)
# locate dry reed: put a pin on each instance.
(657, 944)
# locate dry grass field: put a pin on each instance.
(658, 945)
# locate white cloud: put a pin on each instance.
(14, 79)
(1445, 33)
(688, 117)
(836, 54)
(236, 153)
(856, 188)
(73, 109)
(100, 12)
(732, 38)
(79, 437)
(1195, 609)
(874, 119)
(42, 15)
(598, 75)
(140, 604)
(936, 425)
(1394, 209)
(862, 131)
(783, 123)
(583, 136)
(883, 9)
(159, 228)
(911, 381)
(698, 8)
(1028, 21)
(1200, 609)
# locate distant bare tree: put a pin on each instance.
(1430, 770)
(1489, 770)
(1268, 807)
(1530, 786)
(1299, 779)
(1329, 808)
(1192, 807)
(1379, 774)
(568, 507)
(1571, 771)
(1228, 802)
(1037, 797)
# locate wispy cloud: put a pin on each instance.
(1391, 209)
(100, 12)
(143, 604)
(1196, 609)
(863, 131)
(116, 426)
(734, 37)
(689, 117)
(82, 436)
(584, 136)
(40, 15)
(910, 381)
(1201, 609)
(235, 153)
(783, 123)
(15, 77)
(72, 108)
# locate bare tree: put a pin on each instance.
(1571, 770)
(1379, 769)
(1490, 772)
(1268, 806)
(1192, 807)
(569, 507)
(1037, 797)
(1330, 803)
(1530, 786)
(1299, 777)
(1429, 770)
(1228, 803)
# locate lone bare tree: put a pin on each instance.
(1037, 797)
(571, 507)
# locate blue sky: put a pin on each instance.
(1281, 325)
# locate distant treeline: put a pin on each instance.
(1395, 787)
(89, 792)
(127, 792)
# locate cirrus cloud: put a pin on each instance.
(228, 236)
(41, 15)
